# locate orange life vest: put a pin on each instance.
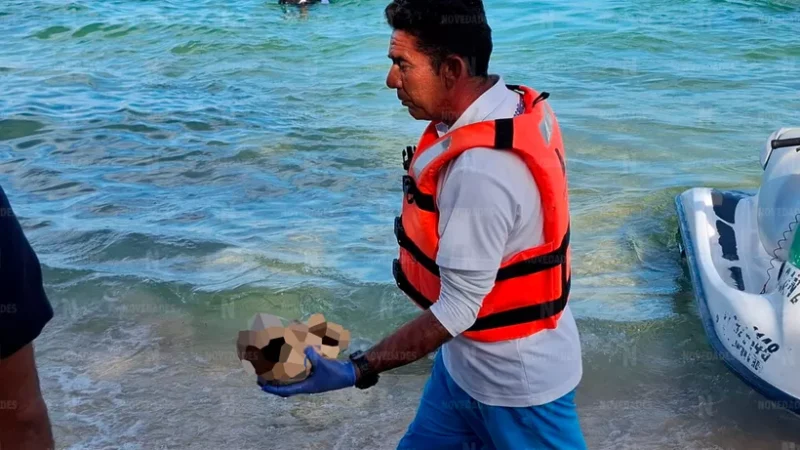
(532, 286)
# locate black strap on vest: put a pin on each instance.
(515, 316)
(504, 128)
(518, 269)
(405, 286)
(543, 96)
(537, 263)
(503, 133)
(526, 313)
(425, 202)
(406, 243)
(532, 313)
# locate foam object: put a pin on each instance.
(275, 352)
(332, 337)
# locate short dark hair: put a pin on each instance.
(444, 28)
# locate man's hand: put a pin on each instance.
(24, 423)
(326, 375)
(409, 343)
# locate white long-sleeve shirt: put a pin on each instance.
(490, 208)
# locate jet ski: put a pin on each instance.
(742, 250)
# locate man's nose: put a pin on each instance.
(392, 80)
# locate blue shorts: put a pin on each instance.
(449, 419)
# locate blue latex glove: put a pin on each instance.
(326, 375)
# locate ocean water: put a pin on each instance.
(179, 166)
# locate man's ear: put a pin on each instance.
(452, 69)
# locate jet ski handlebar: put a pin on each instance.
(781, 143)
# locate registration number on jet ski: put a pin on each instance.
(756, 350)
(790, 283)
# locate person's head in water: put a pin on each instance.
(440, 52)
(300, 2)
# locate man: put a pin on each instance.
(484, 248)
(24, 311)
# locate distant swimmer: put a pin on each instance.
(302, 2)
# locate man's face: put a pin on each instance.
(418, 87)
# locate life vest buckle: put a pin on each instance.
(399, 232)
(409, 188)
(397, 273)
(408, 154)
(425, 202)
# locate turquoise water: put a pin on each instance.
(179, 166)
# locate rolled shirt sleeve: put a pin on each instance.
(461, 297)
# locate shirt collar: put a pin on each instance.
(481, 108)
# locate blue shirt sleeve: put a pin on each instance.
(24, 307)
